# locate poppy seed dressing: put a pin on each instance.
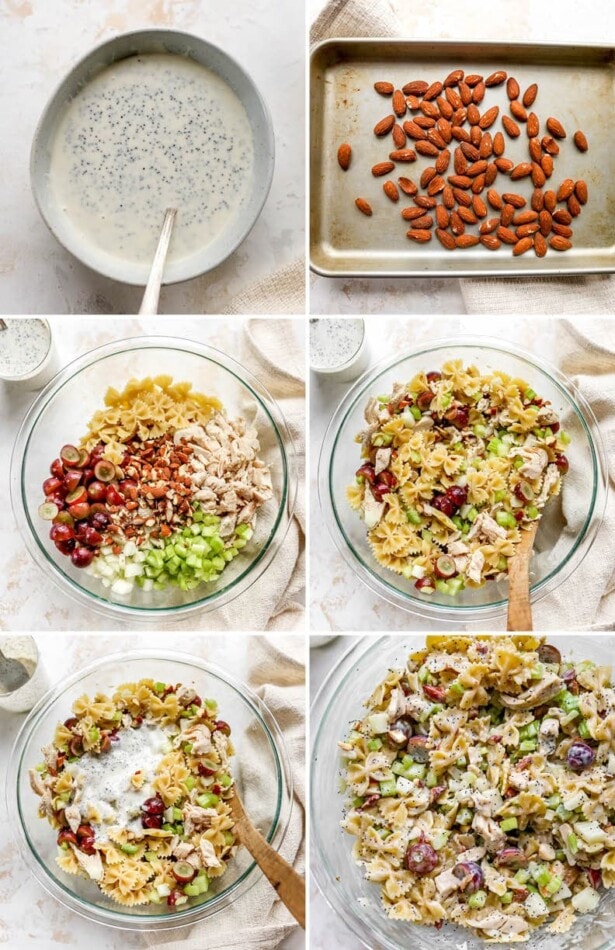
(146, 133)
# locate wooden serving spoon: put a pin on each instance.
(149, 304)
(519, 608)
(289, 885)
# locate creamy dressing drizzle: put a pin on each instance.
(23, 346)
(334, 341)
(147, 133)
(105, 783)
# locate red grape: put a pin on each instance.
(81, 556)
(52, 485)
(97, 491)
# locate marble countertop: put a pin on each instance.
(522, 21)
(28, 599)
(29, 917)
(339, 601)
(42, 41)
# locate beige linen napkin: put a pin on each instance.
(280, 292)
(498, 296)
(258, 920)
(586, 601)
(271, 351)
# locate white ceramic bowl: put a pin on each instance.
(120, 47)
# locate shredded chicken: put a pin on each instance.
(475, 567)
(485, 526)
(197, 818)
(208, 854)
(372, 510)
(535, 462)
(91, 864)
(383, 457)
(548, 687)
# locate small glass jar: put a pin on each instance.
(338, 347)
(28, 357)
(26, 696)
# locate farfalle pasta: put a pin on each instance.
(136, 786)
(455, 464)
(482, 786)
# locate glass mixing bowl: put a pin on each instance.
(569, 523)
(60, 414)
(260, 767)
(341, 881)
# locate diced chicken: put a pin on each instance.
(91, 864)
(371, 411)
(475, 567)
(545, 416)
(36, 782)
(488, 802)
(501, 923)
(461, 563)
(208, 854)
(546, 852)
(73, 817)
(182, 850)
(486, 527)
(536, 695)
(535, 462)
(425, 422)
(185, 695)
(472, 854)
(197, 818)
(547, 736)
(551, 479)
(200, 738)
(446, 883)
(372, 510)
(220, 742)
(50, 754)
(457, 547)
(383, 457)
(490, 831)
(397, 704)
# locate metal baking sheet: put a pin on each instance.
(576, 86)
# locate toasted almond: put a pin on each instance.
(488, 118)
(391, 190)
(430, 109)
(473, 114)
(565, 189)
(525, 217)
(453, 78)
(344, 154)
(504, 164)
(448, 198)
(425, 201)
(540, 245)
(443, 217)
(399, 103)
(512, 198)
(522, 246)
(467, 215)
(546, 163)
(403, 155)
(478, 93)
(562, 216)
(407, 186)
(382, 168)
(444, 128)
(473, 79)
(526, 230)
(479, 207)
(424, 121)
(414, 130)
(580, 140)
(560, 243)
(494, 199)
(490, 241)
(466, 93)
(385, 125)
(476, 168)
(518, 111)
(467, 240)
(538, 200)
(424, 223)
(462, 197)
(549, 145)
(580, 190)
(411, 213)
(427, 148)
(420, 236)
(488, 226)
(384, 88)
(457, 225)
(511, 127)
(446, 109)
(399, 136)
(433, 91)
(562, 229)
(475, 135)
(499, 145)
(415, 88)
(479, 183)
(512, 89)
(470, 151)
(538, 176)
(461, 135)
(555, 127)
(427, 175)
(496, 78)
(460, 181)
(574, 206)
(508, 213)
(535, 149)
(364, 206)
(550, 201)
(486, 145)
(453, 97)
(529, 96)
(446, 240)
(435, 138)
(522, 170)
(491, 174)
(506, 235)
(443, 161)
(413, 103)
(533, 125)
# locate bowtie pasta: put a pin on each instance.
(137, 787)
(456, 464)
(483, 786)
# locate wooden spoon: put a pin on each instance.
(519, 608)
(149, 304)
(289, 885)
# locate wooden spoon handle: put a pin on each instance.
(289, 885)
(519, 607)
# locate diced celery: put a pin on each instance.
(507, 897)
(477, 900)
(464, 816)
(522, 876)
(532, 512)
(583, 729)
(554, 885)
(431, 779)
(439, 840)
(456, 688)
(528, 745)
(208, 800)
(388, 788)
(129, 848)
(413, 516)
(374, 744)
(509, 824)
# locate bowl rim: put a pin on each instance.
(420, 606)
(343, 667)
(285, 506)
(260, 188)
(122, 919)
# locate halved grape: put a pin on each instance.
(445, 566)
(183, 872)
(77, 495)
(70, 455)
(48, 511)
(525, 492)
(104, 471)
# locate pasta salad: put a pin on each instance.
(482, 784)
(455, 464)
(162, 491)
(136, 785)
